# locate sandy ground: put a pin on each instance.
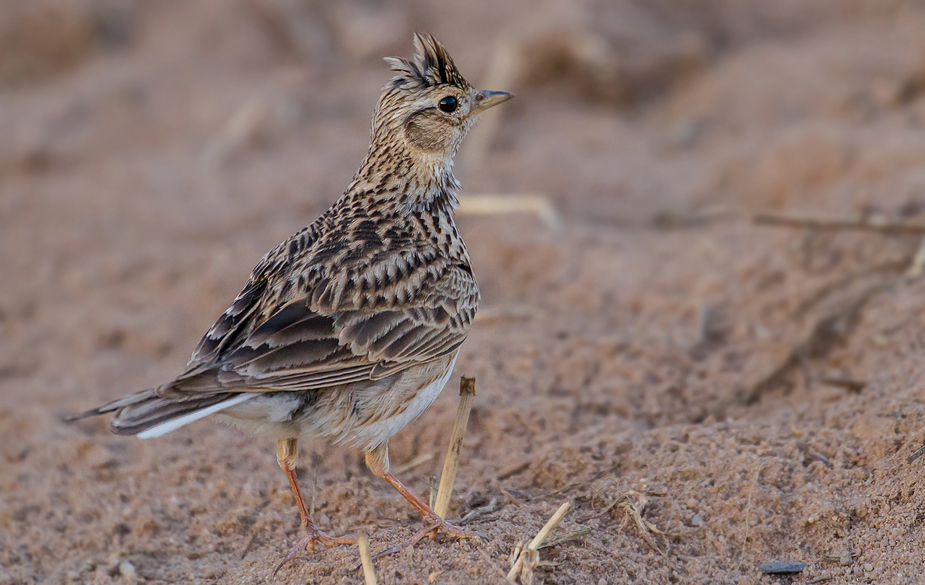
(752, 391)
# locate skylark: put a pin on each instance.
(349, 329)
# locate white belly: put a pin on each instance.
(356, 415)
(376, 433)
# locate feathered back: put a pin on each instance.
(432, 66)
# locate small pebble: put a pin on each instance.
(845, 558)
(775, 567)
(696, 520)
(99, 457)
(868, 567)
(127, 570)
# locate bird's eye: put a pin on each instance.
(448, 104)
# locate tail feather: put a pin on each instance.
(148, 415)
(121, 403)
(175, 420)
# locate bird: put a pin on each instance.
(349, 329)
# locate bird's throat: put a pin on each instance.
(409, 181)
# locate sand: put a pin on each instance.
(708, 393)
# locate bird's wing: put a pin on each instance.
(310, 343)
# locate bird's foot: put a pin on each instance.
(314, 535)
(433, 526)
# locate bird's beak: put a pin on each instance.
(486, 99)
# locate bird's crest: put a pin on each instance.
(431, 66)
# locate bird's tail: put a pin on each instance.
(148, 415)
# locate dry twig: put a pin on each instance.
(432, 496)
(512, 471)
(849, 384)
(479, 512)
(504, 313)
(527, 558)
(502, 68)
(578, 534)
(247, 122)
(675, 219)
(634, 510)
(918, 453)
(369, 574)
(416, 462)
(514, 496)
(880, 226)
(490, 204)
(448, 477)
(918, 261)
(834, 323)
(748, 509)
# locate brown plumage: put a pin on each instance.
(349, 329)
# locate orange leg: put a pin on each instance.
(287, 453)
(378, 462)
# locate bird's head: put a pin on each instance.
(428, 107)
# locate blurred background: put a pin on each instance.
(644, 345)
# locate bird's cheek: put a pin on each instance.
(426, 134)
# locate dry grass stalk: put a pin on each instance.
(833, 323)
(918, 261)
(748, 509)
(634, 508)
(479, 512)
(502, 69)
(849, 384)
(530, 559)
(448, 477)
(416, 462)
(795, 220)
(504, 313)
(432, 497)
(244, 125)
(369, 574)
(250, 544)
(918, 453)
(577, 534)
(514, 497)
(489, 204)
(515, 554)
(510, 472)
(527, 558)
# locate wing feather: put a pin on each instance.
(302, 345)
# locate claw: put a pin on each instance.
(309, 541)
(435, 525)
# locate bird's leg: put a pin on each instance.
(287, 453)
(378, 462)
